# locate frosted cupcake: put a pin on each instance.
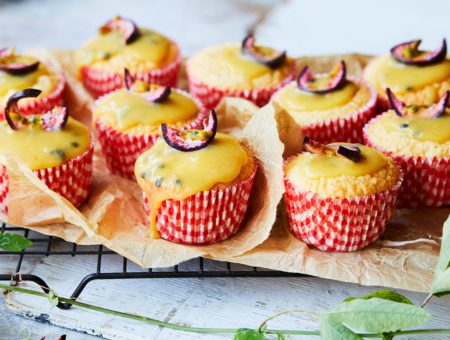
(19, 72)
(328, 107)
(56, 147)
(416, 77)
(196, 184)
(418, 139)
(120, 44)
(128, 120)
(248, 71)
(340, 196)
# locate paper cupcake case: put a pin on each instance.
(72, 180)
(426, 180)
(41, 104)
(100, 82)
(339, 224)
(211, 96)
(122, 149)
(207, 217)
(346, 129)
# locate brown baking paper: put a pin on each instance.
(114, 215)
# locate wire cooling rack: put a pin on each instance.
(43, 245)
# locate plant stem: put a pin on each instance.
(260, 328)
(211, 330)
(427, 299)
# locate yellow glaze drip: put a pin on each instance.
(41, 149)
(165, 173)
(293, 99)
(402, 78)
(124, 110)
(41, 79)
(150, 46)
(423, 129)
(315, 166)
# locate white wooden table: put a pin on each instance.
(303, 27)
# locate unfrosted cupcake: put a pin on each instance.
(19, 72)
(339, 197)
(416, 77)
(248, 71)
(329, 107)
(418, 139)
(196, 184)
(120, 44)
(56, 147)
(128, 120)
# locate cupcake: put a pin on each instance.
(128, 120)
(120, 44)
(56, 147)
(416, 77)
(196, 184)
(328, 107)
(340, 196)
(248, 71)
(418, 139)
(19, 72)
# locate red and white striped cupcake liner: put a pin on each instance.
(346, 129)
(72, 180)
(210, 96)
(122, 149)
(41, 104)
(207, 217)
(100, 82)
(426, 180)
(339, 224)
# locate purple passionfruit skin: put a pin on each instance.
(158, 94)
(128, 27)
(397, 105)
(350, 152)
(337, 78)
(191, 140)
(12, 105)
(408, 53)
(248, 48)
(434, 111)
(55, 119)
(16, 64)
(128, 79)
(437, 110)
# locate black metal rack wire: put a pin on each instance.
(43, 246)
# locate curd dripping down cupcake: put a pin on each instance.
(418, 139)
(340, 196)
(329, 107)
(120, 44)
(416, 77)
(196, 184)
(19, 72)
(128, 120)
(56, 147)
(248, 71)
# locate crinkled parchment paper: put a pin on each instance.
(114, 215)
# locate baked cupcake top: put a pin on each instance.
(240, 67)
(185, 162)
(413, 130)
(19, 72)
(41, 141)
(341, 170)
(315, 98)
(120, 43)
(142, 108)
(420, 77)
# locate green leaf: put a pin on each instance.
(14, 242)
(378, 315)
(441, 281)
(384, 294)
(330, 329)
(248, 334)
(53, 298)
(280, 336)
